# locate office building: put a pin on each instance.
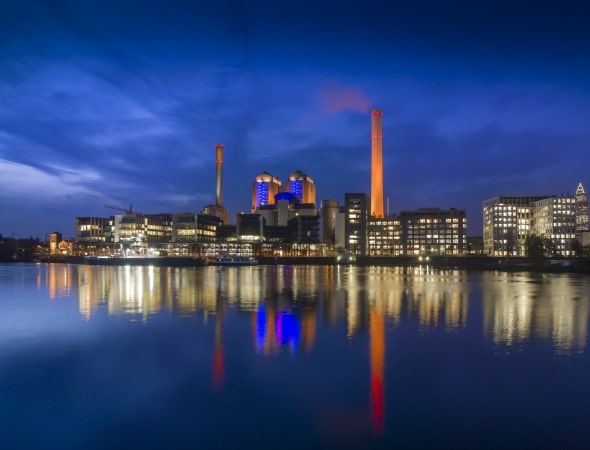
(90, 230)
(507, 221)
(356, 211)
(432, 231)
(554, 220)
(250, 227)
(376, 164)
(193, 228)
(158, 227)
(384, 236)
(304, 229)
(581, 212)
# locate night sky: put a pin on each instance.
(120, 102)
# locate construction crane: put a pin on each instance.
(118, 208)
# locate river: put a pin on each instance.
(291, 357)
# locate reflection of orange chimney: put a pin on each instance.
(377, 357)
(219, 166)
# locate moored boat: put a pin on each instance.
(346, 258)
(230, 260)
(161, 261)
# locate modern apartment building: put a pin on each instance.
(432, 231)
(144, 229)
(384, 236)
(554, 219)
(90, 230)
(507, 221)
(191, 228)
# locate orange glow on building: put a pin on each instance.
(376, 164)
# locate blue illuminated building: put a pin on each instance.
(264, 189)
(302, 186)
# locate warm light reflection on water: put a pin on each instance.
(515, 307)
(356, 353)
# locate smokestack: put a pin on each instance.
(219, 167)
(376, 164)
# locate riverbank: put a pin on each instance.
(512, 264)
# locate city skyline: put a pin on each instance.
(122, 103)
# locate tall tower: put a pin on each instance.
(217, 209)
(219, 167)
(581, 211)
(376, 163)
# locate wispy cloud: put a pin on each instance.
(29, 183)
(334, 99)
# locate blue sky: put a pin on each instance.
(122, 102)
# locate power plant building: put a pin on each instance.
(302, 186)
(376, 163)
(264, 189)
(217, 209)
(329, 212)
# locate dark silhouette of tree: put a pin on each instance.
(576, 247)
(535, 246)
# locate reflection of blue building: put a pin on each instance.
(274, 330)
(264, 189)
(288, 329)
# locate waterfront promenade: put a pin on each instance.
(580, 265)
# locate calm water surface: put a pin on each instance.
(291, 357)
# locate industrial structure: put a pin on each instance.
(376, 163)
(302, 186)
(217, 209)
(264, 189)
(285, 221)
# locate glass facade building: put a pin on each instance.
(555, 220)
(507, 221)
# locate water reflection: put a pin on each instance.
(377, 363)
(517, 307)
(286, 302)
(354, 345)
